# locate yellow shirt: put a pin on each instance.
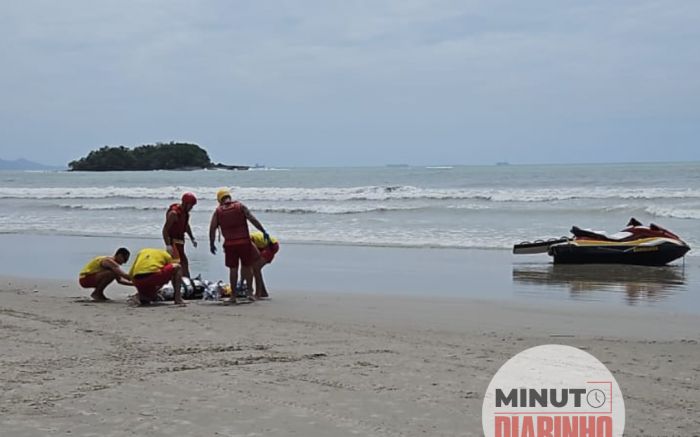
(259, 240)
(150, 261)
(92, 267)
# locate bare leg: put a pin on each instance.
(185, 267)
(103, 280)
(184, 262)
(177, 283)
(260, 289)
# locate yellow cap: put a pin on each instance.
(222, 193)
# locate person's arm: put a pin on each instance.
(126, 282)
(189, 232)
(122, 277)
(212, 232)
(169, 222)
(251, 218)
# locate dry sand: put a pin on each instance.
(312, 365)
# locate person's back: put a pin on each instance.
(93, 266)
(152, 269)
(267, 247)
(233, 223)
(258, 238)
(149, 261)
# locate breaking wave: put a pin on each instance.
(360, 193)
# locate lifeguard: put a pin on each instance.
(177, 224)
(232, 218)
(100, 271)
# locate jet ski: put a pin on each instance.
(636, 244)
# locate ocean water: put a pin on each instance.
(489, 207)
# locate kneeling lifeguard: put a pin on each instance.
(102, 270)
(152, 269)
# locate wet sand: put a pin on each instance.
(314, 364)
(495, 275)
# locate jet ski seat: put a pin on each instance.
(593, 235)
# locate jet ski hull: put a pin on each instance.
(646, 252)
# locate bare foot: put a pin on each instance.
(99, 297)
(134, 300)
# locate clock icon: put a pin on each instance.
(595, 398)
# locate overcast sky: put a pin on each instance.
(354, 82)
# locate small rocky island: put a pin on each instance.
(160, 156)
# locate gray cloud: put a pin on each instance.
(365, 82)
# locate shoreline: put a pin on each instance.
(312, 364)
(489, 275)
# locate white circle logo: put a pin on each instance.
(553, 390)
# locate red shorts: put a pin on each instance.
(88, 281)
(268, 253)
(148, 285)
(245, 252)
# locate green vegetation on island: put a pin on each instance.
(160, 156)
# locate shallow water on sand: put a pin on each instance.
(451, 273)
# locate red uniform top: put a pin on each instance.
(233, 223)
(178, 229)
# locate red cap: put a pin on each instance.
(189, 199)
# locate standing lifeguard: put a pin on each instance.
(232, 217)
(177, 224)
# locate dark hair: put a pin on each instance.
(123, 251)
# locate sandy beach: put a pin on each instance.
(312, 364)
(436, 188)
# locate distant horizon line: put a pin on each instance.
(61, 167)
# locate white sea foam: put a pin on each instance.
(340, 208)
(110, 207)
(669, 212)
(333, 209)
(399, 192)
